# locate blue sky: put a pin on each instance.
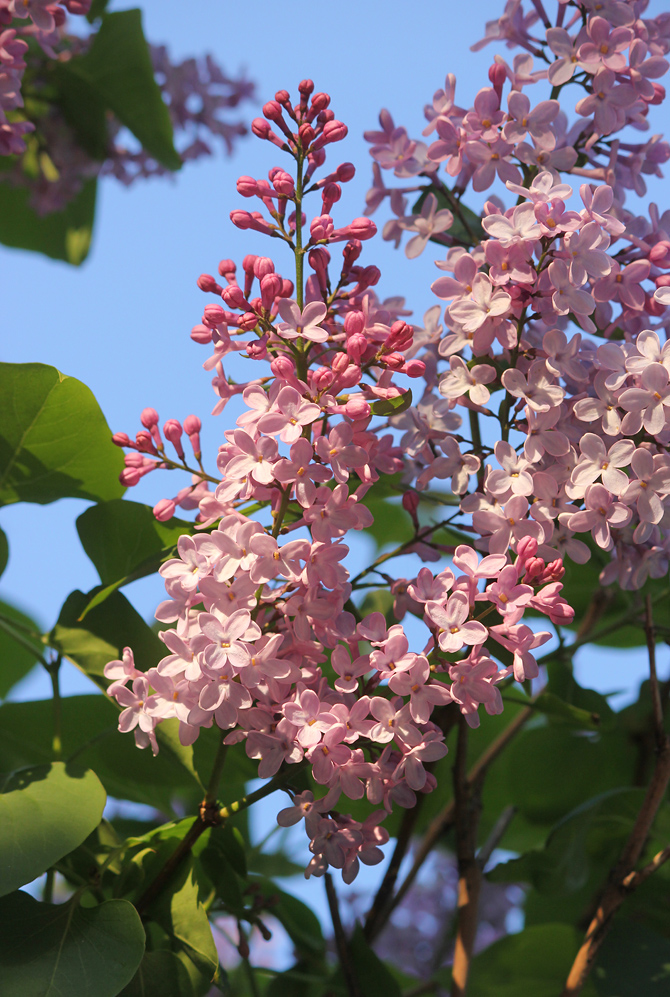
(121, 322)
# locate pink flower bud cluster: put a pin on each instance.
(268, 642)
(199, 95)
(584, 415)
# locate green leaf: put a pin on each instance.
(16, 660)
(588, 839)
(633, 961)
(89, 729)
(300, 922)
(466, 227)
(45, 812)
(82, 107)
(119, 65)
(160, 974)
(97, 10)
(557, 709)
(534, 963)
(373, 977)
(62, 235)
(63, 950)
(104, 633)
(392, 406)
(125, 541)
(4, 551)
(54, 441)
(180, 911)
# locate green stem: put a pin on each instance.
(9, 626)
(281, 511)
(277, 782)
(48, 892)
(53, 669)
(217, 770)
(299, 262)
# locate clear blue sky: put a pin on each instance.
(121, 322)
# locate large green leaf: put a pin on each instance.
(180, 911)
(62, 235)
(82, 107)
(89, 728)
(632, 962)
(160, 974)
(374, 979)
(100, 637)
(119, 65)
(534, 963)
(125, 541)
(54, 441)
(63, 950)
(16, 660)
(45, 812)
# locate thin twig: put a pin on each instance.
(341, 942)
(495, 837)
(633, 879)
(469, 871)
(445, 818)
(387, 886)
(657, 705)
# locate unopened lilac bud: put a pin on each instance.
(320, 102)
(659, 255)
(173, 432)
(306, 133)
(286, 289)
(350, 376)
(226, 268)
(201, 334)
(356, 347)
(345, 172)
(213, 315)
(192, 427)
(149, 417)
(357, 408)
(354, 323)
(258, 350)
(234, 297)
(164, 510)
(333, 131)
(144, 442)
(271, 285)
(340, 363)
(207, 283)
(415, 368)
(262, 266)
(122, 440)
(283, 368)
(305, 88)
(247, 186)
(130, 476)
(323, 378)
(272, 111)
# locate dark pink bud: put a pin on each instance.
(351, 252)
(320, 102)
(410, 503)
(271, 286)
(247, 186)
(201, 334)
(283, 367)
(350, 376)
(323, 378)
(214, 315)
(345, 172)
(660, 255)
(286, 288)
(319, 259)
(330, 194)
(282, 96)
(149, 418)
(192, 425)
(144, 442)
(395, 361)
(497, 76)
(306, 133)
(305, 88)
(173, 432)
(259, 349)
(122, 440)
(362, 228)
(234, 297)
(130, 476)
(283, 182)
(248, 321)
(207, 283)
(263, 266)
(356, 347)
(652, 306)
(340, 363)
(415, 368)
(354, 323)
(659, 93)
(227, 268)
(333, 131)
(272, 111)
(663, 280)
(357, 408)
(261, 128)
(525, 549)
(241, 219)
(164, 510)
(77, 6)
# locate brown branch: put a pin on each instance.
(498, 832)
(616, 890)
(657, 705)
(633, 879)
(442, 821)
(341, 942)
(469, 871)
(385, 891)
